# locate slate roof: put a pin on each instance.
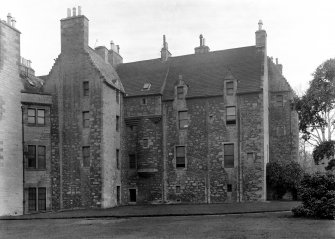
(106, 69)
(203, 73)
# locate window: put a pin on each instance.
(42, 199)
(231, 115)
(86, 156)
(230, 88)
(145, 143)
(144, 101)
(39, 161)
(118, 194)
(183, 120)
(41, 156)
(132, 195)
(180, 92)
(117, 96)
(250, 156)
(146, 86)
(132, 161)
(117, 125)
(118, 159)
(41, 117)
(31, 156)
(31, 116)
(31, 199)
(86, 119)
(37, 201)
(228, 155)
(229, 188)
(279, 100)
(180, 156)
(177, 189)
(86, 88)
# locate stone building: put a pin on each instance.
(98, 132)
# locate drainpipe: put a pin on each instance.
(23, 166)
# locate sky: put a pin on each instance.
(300, 33)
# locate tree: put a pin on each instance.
(316, 107)
(316, 110)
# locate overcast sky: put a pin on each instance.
(300, 33)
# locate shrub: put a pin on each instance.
(283, 177)
(317, 193)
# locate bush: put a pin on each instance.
(317, 193)
(283, 177)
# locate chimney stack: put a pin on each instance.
(9, 19)
(79, 10)
(279, 66)
(165, 54)
(202, 48)
(260, 36)
(74, 32)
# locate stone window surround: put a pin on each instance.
(180, 92)
(224, 155)
(250, 156)
(36, 157)
(185, 157)
(144, 101)
(117, 156)
(230, 87)
(86, 88)
(231, 118)
(36, 116)
(38, 201)
(145, 143)
(182, 120)
(86, 119)
(178, 189)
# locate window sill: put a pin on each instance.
(35, 169)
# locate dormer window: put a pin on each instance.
(146, 86)
(180, 92)
(230, 88)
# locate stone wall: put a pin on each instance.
(11, 151)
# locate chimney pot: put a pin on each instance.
(201, 37)
(9, 18)
(74, 12)
(13, 22)
(260, 24)
(69, 12)
(180, 77)
(112, 45)
(79, 10)
(118, 48)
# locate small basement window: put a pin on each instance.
(229, 188)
